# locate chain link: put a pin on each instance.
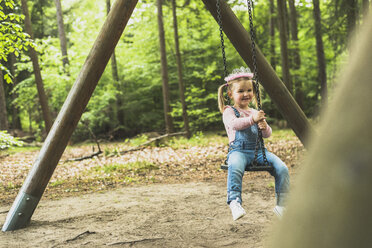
(259, 140)
(219, 20)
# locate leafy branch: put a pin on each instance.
(12, 38)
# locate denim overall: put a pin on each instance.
(241, 154)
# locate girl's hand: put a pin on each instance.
(259, 116)
(262, 125)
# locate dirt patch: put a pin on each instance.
(160, 215)
(155, 197)
(148, 166)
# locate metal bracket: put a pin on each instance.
(19, 215)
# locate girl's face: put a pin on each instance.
(242, 93)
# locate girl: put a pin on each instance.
(241, 123)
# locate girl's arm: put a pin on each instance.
(265, 128)
(266, 133)
(231, 121)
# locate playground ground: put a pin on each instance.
(162, 215)
(176, 199)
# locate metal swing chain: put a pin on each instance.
(219, 19)
(259, 139)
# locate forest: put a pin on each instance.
(109, 118)
(164, 73)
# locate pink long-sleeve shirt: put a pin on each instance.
(233, 123)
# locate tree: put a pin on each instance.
(351, 14)
(62, 36)
(16, 121)
(283, 44)
(12, 37)
(272, 22)
(38, 79)
(12, 40)
(179, 70)
(3, 112)
(296, 65)
(164, 70)
(115, 76)
(114, 66)
(322, 73)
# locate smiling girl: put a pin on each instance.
(242, 123)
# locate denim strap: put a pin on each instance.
(237, 114)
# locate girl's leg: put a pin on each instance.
(281, 177)
(236, 162)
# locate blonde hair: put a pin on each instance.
(222, 99)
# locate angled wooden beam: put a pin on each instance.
(331, 203)
(69, 116)
(276, 89)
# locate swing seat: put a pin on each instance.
(252, 167)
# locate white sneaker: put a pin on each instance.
(236, 209)
(279, 211)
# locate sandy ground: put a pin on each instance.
(159, 215)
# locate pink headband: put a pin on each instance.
(239, 75)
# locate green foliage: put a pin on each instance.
(7, 141)
(137, 141)
(202, 109)
(134, 103)
(43, 19)
(20, 149)
(12, 38)
(28, 103)
(57, 183)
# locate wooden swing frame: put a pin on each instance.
(42, 170)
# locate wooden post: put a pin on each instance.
(56, 141)
(276, 89)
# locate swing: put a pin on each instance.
(254, 165)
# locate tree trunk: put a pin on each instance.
(272, 22)
(164, 71)
(38, 79)
(365, 8)
(299, 96)
(3, 112)
(179, 70)
(352, 13)
(286, 16)
(114, 67)
(322, 73)
(115, 75)
(30, 121)
(62, 36)
(16, 121)
(283, 44)
(331, 203)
